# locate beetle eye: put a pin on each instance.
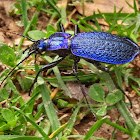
(42, 45)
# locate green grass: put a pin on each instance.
(17, 122)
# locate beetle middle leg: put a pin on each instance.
(45, 68)
(76, 60)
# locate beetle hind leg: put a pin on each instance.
(105, 69)
(98, 65)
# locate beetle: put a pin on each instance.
(95, 47)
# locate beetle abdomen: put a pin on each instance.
(104, 47)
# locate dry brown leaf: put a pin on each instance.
(75, 90)
(2, 37)
(106, 6)
(6, 5)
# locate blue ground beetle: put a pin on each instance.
(95, 47)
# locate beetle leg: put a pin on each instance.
(62, 28)
(98, 65)
(118, 87)
(26, 50)
(45, 68)
(35, 58)
(76, 60)
(76, 31)
(17, 66)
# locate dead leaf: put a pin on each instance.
(106, 6)
(75, 90)
(6, 5)
(2, 37)
(25, 43)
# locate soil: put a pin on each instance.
(8, 23)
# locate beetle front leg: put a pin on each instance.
(45, 68)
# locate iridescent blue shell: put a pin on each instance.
(104, 47)
(58, 41)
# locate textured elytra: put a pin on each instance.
(104, 47)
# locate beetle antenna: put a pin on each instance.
(19, 35)
(17, 66)
(22, 36)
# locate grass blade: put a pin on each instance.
(120, 105)
(58, 130)
(118, 127)
(50, 111)
(17, 137)
(94, 128)
(54, 7)
(79, 25)
(29, 26)
(71, 121)
(33, 123)
(24, 12)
